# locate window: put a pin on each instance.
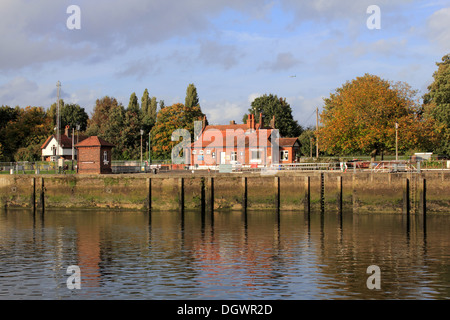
(201, 151)
(194, 151)
(256, 155)
(208, 151)
(233, 156)
(105, 156)
(284, 155)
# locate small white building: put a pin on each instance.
(50, 149)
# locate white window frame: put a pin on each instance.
(256, 160)
(284, 155)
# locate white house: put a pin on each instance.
(50, 149)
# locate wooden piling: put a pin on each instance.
(211, 194)
(423, 198)
(339, 194)
(406, 201)
(181, 193)
(322, 193)
(277, 192)
(203, 195)
(42, 196)
(149, 194)
(307, 200)
(244, 186)
(33, 195)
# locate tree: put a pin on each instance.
(169, 119)
(73, 115)
(100, 115)
(24, 135)
(133, 105)
(307, 142)
(191, 96)
(148, 110)
(437, 102)
(360, 117)
(270, 106)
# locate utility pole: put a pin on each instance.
(317, 132)
(58, 135)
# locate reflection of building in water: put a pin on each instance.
(88, 244)
(250, 266)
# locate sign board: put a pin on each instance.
(225, 168)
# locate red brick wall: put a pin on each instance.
(91, 160)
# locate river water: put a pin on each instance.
(230, 255)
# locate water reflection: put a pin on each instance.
(223, 255)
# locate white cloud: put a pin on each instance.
(438, 28)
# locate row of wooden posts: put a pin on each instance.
(307, 194)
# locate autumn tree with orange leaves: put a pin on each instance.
(169, 119)
(360, 117)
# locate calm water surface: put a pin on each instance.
(261, 255)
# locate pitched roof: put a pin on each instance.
(94, 141)
(287, 142)
(66, 142)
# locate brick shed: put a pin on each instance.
(94, 156)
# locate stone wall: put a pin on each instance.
(328, 191)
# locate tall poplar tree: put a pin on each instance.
(191, 97)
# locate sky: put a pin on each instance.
(232, 51)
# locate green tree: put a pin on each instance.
(73, 115)
(100, 115)
(437, 102)
(132, 126)
(24, 136)
(308, 141)
(270, 106)
(191, 99)
(169, 119)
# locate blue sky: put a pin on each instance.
(233, 51)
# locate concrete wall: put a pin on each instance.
(360, 192)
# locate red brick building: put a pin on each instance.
(241, 144)
(94, 156)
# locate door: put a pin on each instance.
(222, 157)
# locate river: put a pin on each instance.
(230, 255)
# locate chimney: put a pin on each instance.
(260, 120)
(204, 123)
(251, 121)
(232, 122)
(66, 131)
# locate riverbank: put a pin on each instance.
(359, 192)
